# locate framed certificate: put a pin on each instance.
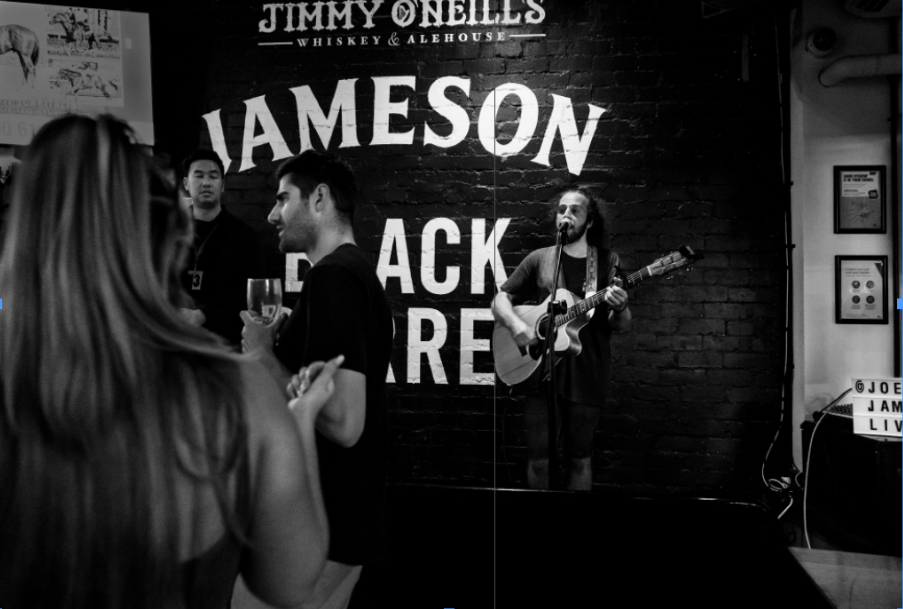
(860, 289)
(859, 199)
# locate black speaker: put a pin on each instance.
(854, 495)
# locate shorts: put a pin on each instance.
(576, 425)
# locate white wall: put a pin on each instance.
(843, 125)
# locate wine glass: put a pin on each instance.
(265, 298)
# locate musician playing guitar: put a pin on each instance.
(581, 379)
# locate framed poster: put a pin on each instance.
(859, 199)
(860, 289)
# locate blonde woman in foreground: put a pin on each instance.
(141, 465)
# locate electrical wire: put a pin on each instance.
(776, 484)
(784, 511)
(826, 409)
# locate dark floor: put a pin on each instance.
(478, 548)
(827, 532)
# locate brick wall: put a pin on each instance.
(685, 153)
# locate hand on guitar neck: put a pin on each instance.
(616, 298)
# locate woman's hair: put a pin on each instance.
(107, 397)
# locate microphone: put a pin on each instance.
(563, 231)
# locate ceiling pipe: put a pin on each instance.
(860, 66)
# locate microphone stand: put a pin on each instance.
(555, 307)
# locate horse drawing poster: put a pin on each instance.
(59, 59)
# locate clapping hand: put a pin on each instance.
(313, 385)
(195, 317)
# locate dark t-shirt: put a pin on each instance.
(343, 310)
(582, 378)
(228, 252)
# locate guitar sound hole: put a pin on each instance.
(540, 327)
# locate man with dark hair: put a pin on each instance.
(581, 380)
(225, 254)
(342, 310)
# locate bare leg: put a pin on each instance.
(580, 423)
(30, 71)
(22, 60)
(580, 474)
(538, 473)
(537, 436)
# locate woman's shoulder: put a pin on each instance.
(265, 402)
(272, 436)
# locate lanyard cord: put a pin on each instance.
(200, 250)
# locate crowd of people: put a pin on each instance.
(158, 441)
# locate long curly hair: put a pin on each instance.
(109, 401)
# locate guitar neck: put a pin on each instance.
(591, 302)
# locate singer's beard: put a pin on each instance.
(576, 231)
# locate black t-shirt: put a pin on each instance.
(582, 378)
(228, 252)
(343, 310)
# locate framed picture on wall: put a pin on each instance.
(860, 289)
(859, 199)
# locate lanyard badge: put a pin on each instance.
(196, 278)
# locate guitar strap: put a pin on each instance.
(589, 286)
(592, 266)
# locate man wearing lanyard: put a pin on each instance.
(226, 252)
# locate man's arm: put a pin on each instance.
(342, 418)
(336, 300)
(503, 311)
(521, 284)
(619, 314)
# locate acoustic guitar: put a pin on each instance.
(515, 364)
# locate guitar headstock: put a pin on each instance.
(683, 257)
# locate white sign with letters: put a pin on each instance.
(876, 407)
(878, 426)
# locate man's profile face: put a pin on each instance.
(205, 184)
(293, 218)
(573, 207)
